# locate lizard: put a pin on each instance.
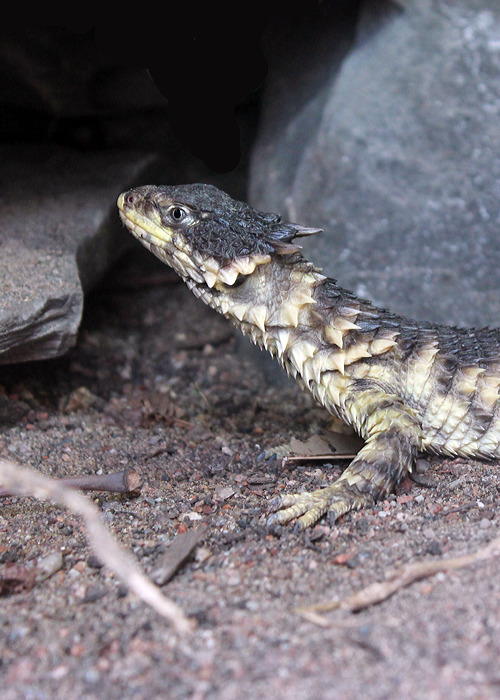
(405, 387)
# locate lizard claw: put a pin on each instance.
(298, 527)
(332, 517)
(307, 508)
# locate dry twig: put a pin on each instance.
(125, 481)
(25, 482)
(378, 592)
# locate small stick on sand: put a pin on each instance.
(125, 481)
(25, 482)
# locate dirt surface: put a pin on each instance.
(168, 393)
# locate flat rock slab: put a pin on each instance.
(59, 231)
(396, 155)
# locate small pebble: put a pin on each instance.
(420, 498)
(58, 672)
(484, 523)
(422, 465)
(94, 593)
(47, 566)
(92, 675)
(18, 632)
(434, 548)
(94, 562)
(202, 554)
(122, 591)
(233, 578)
(225, 492)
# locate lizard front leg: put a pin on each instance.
(392, 438)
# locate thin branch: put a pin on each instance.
(378, 592)
(25, 482)
(125, 481)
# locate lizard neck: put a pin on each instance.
(277, 300)
(284, 308)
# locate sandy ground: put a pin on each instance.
(169, 394)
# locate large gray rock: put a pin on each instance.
(58, 233)
(396, 155)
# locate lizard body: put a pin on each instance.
(404, 387)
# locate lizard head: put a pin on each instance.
(208, 238)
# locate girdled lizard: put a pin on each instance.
(405, 387)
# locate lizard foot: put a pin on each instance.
(387, 456)
(308, 507)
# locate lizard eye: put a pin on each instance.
(177, 213)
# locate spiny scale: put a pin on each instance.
(404, 387)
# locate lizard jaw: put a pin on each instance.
(172, 249)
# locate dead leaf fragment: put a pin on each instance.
(176, 554)
(225, 492)
(313, 446)
(79, 400)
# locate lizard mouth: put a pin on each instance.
(193, 266)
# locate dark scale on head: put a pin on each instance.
(226, 229)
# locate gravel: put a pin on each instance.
(195, 419)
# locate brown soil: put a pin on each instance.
(171, 394)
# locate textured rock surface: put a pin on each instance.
(396, 156)
(58, 233)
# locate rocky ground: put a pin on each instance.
(378, 121)
(168, 391)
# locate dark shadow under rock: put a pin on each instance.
(58, 233)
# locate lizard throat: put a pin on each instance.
(276, 308)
